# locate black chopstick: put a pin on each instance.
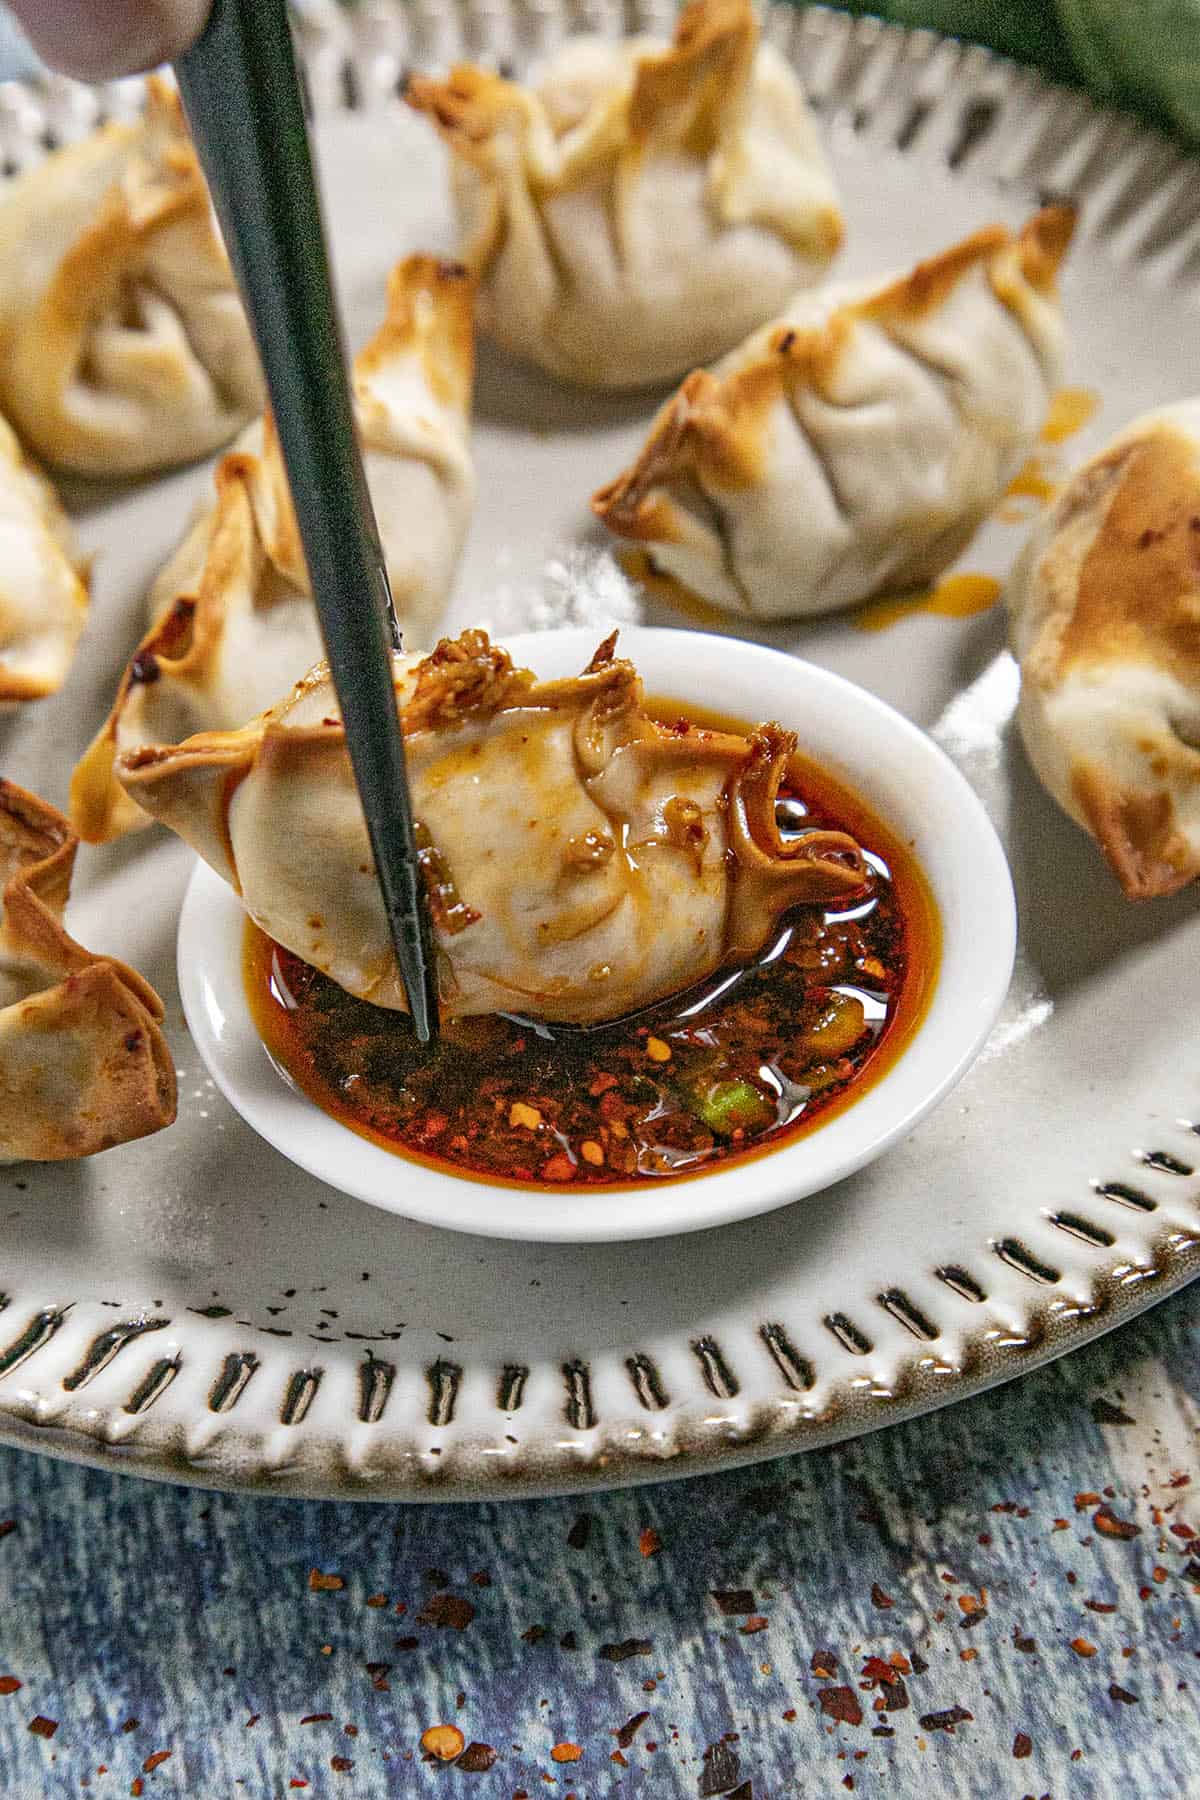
(242, 95)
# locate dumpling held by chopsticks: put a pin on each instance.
(582, 861)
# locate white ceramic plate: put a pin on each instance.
(906, 780)
(194, 1306)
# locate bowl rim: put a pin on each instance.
(881, 750)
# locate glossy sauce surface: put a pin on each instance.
(749, 1059)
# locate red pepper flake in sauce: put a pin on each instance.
(879, 1598)
(320, 1583)
(566, 1753)
(9, 1684)
(842, 1704)
(1108, 1524)
(43, 1727)
(649, 1542)
(769, 1058)
(1022, 1745)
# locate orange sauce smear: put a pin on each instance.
(914, 925)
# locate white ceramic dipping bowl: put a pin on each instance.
(900, 774)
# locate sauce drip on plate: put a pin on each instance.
(749, 1059)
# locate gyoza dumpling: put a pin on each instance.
(83, 1061)
(581, 860)
(856, 444)
(123, 345)
(43, 580)
(641, 206)
(1104, 608)
(233, 619)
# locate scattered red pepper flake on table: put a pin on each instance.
(733, 1601)
(879, 1598)
(1158, 1573)
(152, 1762)
(137, 1787)
(443, 1742)
(756, 1622)
(377, 1599)
(7, 1525)
(9, 1684)
(130, 1724)
(454, 1612)
(1117, 1692)
(1108, 1524)
(842, 1704)
(320, 1583)
(649, 1542)
(625, 1649)
(1100, 1606)
(1022, 1745)
(824, 1663)
(477, 1758)
(1081, 1647)
(566, 1753)
(43, 1727)
(1105, 1413)
(630, 1729)
(341, 1765)
(947, 1719)
(316, 1718)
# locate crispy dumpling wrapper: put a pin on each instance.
(233, 623)
(43, 580)
(123, 344)
(856, 444)
(582, 861)
(642, 205)
(1104, 613)
(84, 1064)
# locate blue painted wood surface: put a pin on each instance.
(193, 1614)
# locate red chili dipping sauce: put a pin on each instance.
(750, 1059)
